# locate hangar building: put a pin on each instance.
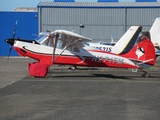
(97, 20)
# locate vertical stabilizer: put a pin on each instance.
(143, 53)
(126, 42)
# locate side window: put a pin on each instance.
(75, 49)
(59, 44)
(45, 42)
(50, 43)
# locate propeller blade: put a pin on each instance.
(15, 27)
(11, 42)
(10, 49)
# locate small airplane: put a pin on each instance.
(71, 51)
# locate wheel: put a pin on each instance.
(72, 67)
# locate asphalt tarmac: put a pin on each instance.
(82, 94)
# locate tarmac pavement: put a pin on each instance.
(83, 94)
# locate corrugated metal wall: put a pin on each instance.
(27, 26)
(142, 16)
(100, 23)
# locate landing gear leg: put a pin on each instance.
(49, 71)
(145, 73)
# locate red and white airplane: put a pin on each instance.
(71, 51)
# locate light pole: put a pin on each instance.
(81, 26)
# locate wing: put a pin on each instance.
(64, 38)
(68, 34)
(72, 40)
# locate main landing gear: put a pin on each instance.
(72, 67)
(145, 73)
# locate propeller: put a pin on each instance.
(11, 40)
(15, 27)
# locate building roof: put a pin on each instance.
(26, 9)
(100, 4)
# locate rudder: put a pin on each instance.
(143, 53)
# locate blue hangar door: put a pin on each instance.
(27, 28)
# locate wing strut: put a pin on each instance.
(54, 49)
(63, 50)
(54, 46)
